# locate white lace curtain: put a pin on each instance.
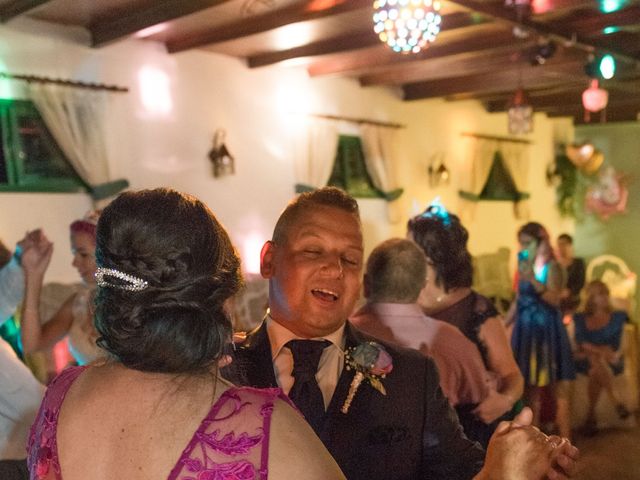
(76, 119)
(380, 156)
(515, 157)
(314, 164)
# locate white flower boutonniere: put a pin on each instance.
(371, 362)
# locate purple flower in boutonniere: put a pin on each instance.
(371, 362)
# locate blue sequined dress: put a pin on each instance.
(540, 342)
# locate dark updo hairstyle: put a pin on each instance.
(171, 240)
(444, 241)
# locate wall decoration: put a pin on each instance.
(608, 195)
(585, 156)
(437, 170)
(222, 161)
(563, 174)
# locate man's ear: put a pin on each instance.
(266, 259)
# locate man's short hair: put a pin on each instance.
(396, 272)
(325, 196)
(565, 237)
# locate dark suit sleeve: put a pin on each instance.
(447, 452)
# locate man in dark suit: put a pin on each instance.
(314, 266)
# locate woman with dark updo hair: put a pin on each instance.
(157, 408)
(447, 296)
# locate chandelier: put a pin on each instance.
(407, 26)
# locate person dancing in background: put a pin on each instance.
(75, 317)
(598, 334)
(394, 277)
(540, 342)
(157, 408)
(448, 296)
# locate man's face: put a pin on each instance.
(315, 276)
(565, 248)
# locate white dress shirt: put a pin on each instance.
(329, 368)
(11, 288)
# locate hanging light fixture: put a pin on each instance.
(594, 99)
(407, 26)
(520, 113)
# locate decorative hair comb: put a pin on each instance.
(131, 283)
(437, 210)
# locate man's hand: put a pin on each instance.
(519, 451)
(565, 459)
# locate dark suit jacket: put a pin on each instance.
(410, 433)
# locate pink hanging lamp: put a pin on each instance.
(594, 99)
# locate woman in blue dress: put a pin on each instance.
(540, 342)
(598, 334)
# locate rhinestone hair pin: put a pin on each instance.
(132, 284)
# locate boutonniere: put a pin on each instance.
(371, 362)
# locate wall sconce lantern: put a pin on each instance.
(438, 171)
(222, 160)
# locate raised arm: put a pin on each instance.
(36, 336)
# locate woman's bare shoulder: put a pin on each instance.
(294, 449)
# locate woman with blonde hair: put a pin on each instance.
(598, 334)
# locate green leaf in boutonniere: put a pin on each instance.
(371, 362)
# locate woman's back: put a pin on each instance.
(116, 422)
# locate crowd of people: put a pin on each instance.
(422, 381)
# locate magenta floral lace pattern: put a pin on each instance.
(232, 443)
(42, 448)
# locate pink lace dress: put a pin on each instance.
(231, 443)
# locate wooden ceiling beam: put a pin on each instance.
(625, 112)
(499, 81)
(298, 12)
(596, 23)
(508, 15)
(502, 57)
(554, 7)
(503, 97)
(570, 97)
(18, 7)
(155, 13)
(353, 41)
(383, 58)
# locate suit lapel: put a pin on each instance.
(335, 420)
(255, 359)
(342, 388)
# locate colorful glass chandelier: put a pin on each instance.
(407, 26)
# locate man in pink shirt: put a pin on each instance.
(396, 273)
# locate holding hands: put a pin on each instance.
(519, 451)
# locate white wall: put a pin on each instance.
(260, 111)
